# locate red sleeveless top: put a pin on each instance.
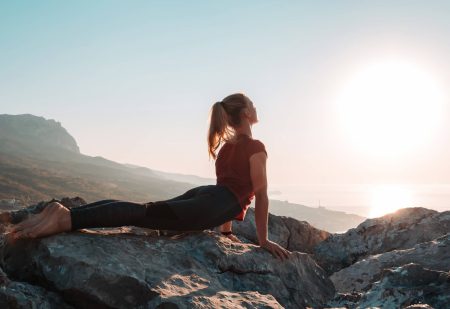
(233, 169)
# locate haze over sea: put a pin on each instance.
(363, 199)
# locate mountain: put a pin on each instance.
(40, 160)
(20, 133)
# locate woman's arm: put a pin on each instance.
(259, 181)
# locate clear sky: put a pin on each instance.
(133, 81)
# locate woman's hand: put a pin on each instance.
(276, 250)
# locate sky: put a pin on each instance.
(347, 92)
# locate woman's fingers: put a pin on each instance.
(282, 253)
(276, 253)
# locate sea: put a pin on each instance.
(368, 200)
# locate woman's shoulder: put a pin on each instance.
(255, 146)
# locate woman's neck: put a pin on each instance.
(244, 130)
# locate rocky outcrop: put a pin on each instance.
(135, 267)
(288, 232)
(119, 269)
(413, 272)
(24, 295)
(400, 230)
(406, 286)
(434, 254)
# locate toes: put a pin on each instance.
(25, 224)
(24, 234)
(29, 222)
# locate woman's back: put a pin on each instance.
(233, 168)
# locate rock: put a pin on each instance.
(71, 202)
(100, 268)
(289, 233)
(419, 306)
(345, 300)
(400, 230)
(408, 285)
(23, 295)
(235, 300)
(434, 255)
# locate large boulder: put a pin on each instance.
(407, 286)
(119, 269)
(22, 295)
(400, 230)
(358, 277)
(288, 232)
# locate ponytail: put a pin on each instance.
(217, 128)
(224, 116)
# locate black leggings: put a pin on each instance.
(200, 208)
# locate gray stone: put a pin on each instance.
(434, 255)
(400, 230)
(289, 233)
(22, 295)
(95, 268)
(409, 285)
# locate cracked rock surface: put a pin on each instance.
(433, 254)
(109, 268)
(290, 233)
(400, 230)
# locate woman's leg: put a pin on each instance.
(104, 213)
(186, 195)
(101, 202)
(112, 214)
(208, 206)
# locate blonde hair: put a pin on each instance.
(224, 116)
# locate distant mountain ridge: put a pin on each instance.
(40, 160)
(36, 131)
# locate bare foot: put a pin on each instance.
(33, 219)
(55, 218)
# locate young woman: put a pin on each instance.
(241, 175)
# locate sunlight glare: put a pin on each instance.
(390, 108)
(389, 198)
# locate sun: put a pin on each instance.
(389, 198)
(390, 108)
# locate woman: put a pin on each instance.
(241, 175)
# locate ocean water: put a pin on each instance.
(368, 200)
